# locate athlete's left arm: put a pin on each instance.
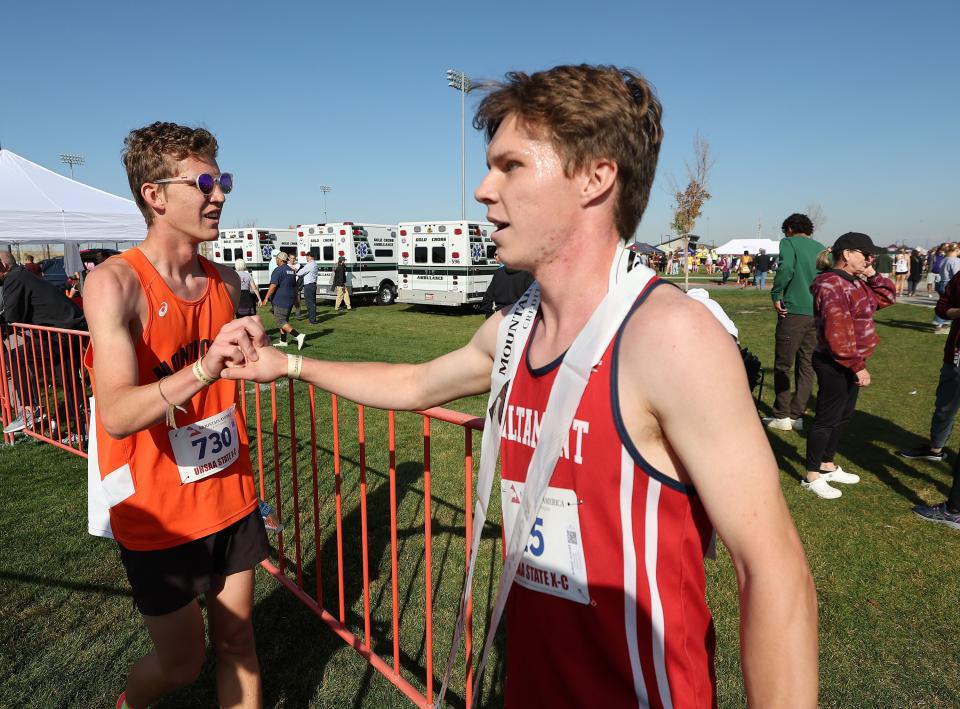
(687, 372)
(232, 281)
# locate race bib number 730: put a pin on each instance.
(206, 447)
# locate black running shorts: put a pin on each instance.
(166, 580)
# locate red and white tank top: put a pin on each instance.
(608, 608)
(159, 510)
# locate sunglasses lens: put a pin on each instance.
(226, 182)
(205, 183)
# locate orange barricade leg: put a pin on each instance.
(339, 499)
(316, 492)
(468, 535)
(281, 560)
(392, 442)
(43, 400)
(363, 528)
(6, 390)
(296, 486)
(428, 555)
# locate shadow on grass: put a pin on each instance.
(869, 442)
(447, 310)
(329, 315)
(908, 325)
(879, 439)
(53, 582)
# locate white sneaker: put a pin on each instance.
(784, 424)
(821, 488)
(797, 424)
(24, 420)
(840, 476)
(280, 343)
(300, 338)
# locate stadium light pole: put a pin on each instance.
(71, 160)
(325, 189)
(461, 82)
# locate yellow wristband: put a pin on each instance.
(202, 376)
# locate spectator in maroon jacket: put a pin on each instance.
(33, 267)
(846, 294)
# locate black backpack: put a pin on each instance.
(754, 368)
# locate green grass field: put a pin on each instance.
(888, 610)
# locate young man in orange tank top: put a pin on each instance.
(572, 154)
(162, 331)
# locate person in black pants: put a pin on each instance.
(945, 409)
(948, 511)
(916, 272)
(846, 294)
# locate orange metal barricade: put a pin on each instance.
(42, 379)
(293, 579)
(36, 365)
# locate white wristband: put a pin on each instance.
(294, 365)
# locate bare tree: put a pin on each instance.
(815, 212)
(689, 201)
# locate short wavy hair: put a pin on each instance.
(587, 112)
(152, 153)
(798, 224)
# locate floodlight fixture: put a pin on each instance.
(325, 189)
(71, 160)
(461, 82)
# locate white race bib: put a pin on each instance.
(206, 447)
(553, 559)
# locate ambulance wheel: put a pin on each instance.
(386, 295)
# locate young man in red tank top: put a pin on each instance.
(572, 154)
(185, 516)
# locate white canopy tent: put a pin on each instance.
(38, 205)
(753, 246)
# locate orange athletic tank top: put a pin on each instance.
(162, 511)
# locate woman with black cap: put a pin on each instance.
(846, 294)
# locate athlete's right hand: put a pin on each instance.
(780, 308)
(236, 343)
(270, 365)
(863, 378)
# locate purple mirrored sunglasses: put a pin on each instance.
(203, 182)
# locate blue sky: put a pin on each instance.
(853, 105)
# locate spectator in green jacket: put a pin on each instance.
(796, 335)
(883, 264)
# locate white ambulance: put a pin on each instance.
(254, 246)
(370, 257)
(445, 263)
